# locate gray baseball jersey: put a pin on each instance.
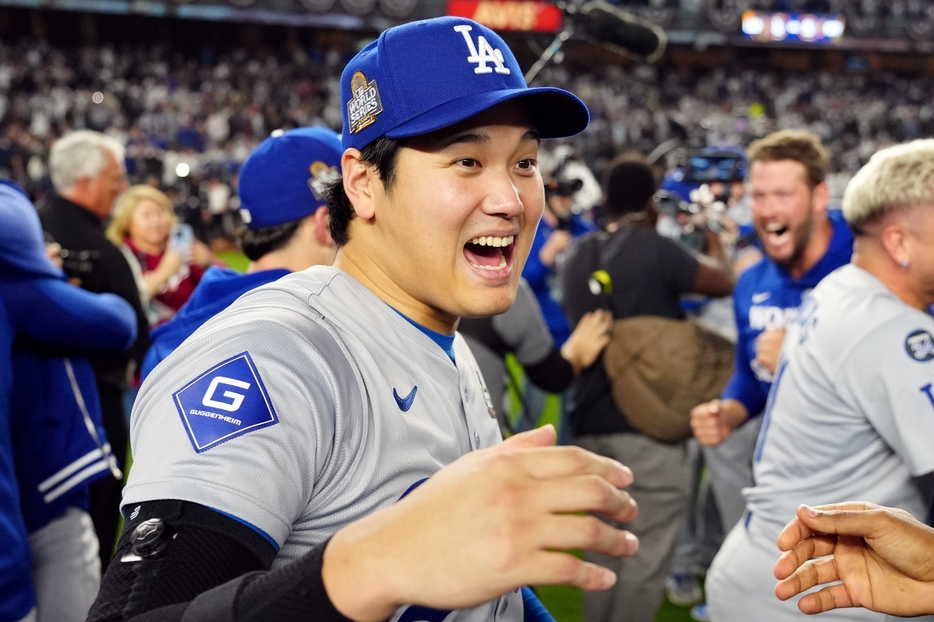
(851, 413)
(522, 328)
(306, 405)
(850, 417)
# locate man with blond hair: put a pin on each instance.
(851, 411)
(88, 173)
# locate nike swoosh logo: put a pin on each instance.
(405, 403)
(760, 297)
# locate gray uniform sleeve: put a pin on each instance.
(242, 417)
(523, 328)
(888, 377)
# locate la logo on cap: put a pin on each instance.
(482, 53)
(365, 103)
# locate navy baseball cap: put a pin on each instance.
(422, 76)
(285, 177)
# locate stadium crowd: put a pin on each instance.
(189, 123)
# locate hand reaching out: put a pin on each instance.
(492, 521)
(883, 557)
(590, 336)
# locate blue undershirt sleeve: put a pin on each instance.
(534, 609)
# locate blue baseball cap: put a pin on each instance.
(285, 177)
(422, 76)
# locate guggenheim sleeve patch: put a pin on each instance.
(224, 402)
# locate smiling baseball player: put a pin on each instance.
(316, 400)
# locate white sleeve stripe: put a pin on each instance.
(77, 479)
(80, 463)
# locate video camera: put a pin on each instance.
(564, 187)
(75, 263)
(78, 264)
(710, 166)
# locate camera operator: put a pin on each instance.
(87, 170)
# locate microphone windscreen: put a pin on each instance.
(610, 26)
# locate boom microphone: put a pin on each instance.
(602, 24)
(619, 31)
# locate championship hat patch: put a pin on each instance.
(224, 402)
(364, 103)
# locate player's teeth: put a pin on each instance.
(489, 240)
(502, 264)
(774, 227)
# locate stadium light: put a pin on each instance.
(771, 27)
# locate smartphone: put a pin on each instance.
(181, 238)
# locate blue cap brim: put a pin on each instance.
(556, 113)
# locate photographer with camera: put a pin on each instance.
(87, 170)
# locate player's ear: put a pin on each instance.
(359, 184)
(322, 220)
(895, 242)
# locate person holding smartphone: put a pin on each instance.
(165, 256)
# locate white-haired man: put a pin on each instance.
(88, 173)
(851, 411)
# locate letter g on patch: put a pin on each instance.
(224, 402)
(236, 399)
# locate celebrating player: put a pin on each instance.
(332, 393)
(803, 243)
(850, 411)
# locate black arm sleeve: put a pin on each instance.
(554, 374)
(215, 569)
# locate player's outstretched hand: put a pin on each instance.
(709, 423)
(769, 348)
(490, 522)
(590, 336)
(883, 556)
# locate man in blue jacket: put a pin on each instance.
(803, 242)
(285, 212)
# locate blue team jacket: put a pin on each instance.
(48, 440)
(218, 288)
(767, 297)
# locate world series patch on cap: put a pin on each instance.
(423, 76)
(285, 177)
